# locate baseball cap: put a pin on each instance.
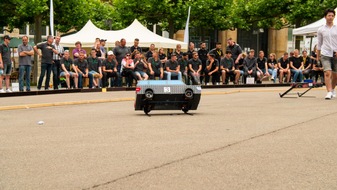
(7, 37)
(110, 52)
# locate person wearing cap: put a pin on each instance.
(95, 67)
(109, 68)
(103, 50)
(78, 49)
(5, 63)
(172, 68)
(212, 69)
(47, 50)
(25, 63)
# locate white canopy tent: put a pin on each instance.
(90, 32)
(311, 29)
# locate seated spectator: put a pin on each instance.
(150, 52)
(262, 67)
(95, 69)
(67, 69)
(317, 71)
(194, 68)
(272, 66)
(109, 68)
(155, 67)
(307, 62)
(212, 69)
(127, 70)
(227, 67)
(172, 68)
(183, 67)
(284, 68)
(78, 49)
(296, 65)
(140, 66)
(162, 56)
(249, 65)
(81, 66)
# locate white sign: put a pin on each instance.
(15, 87)
(167, 89)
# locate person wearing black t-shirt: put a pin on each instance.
(307, 64)
(202, 54)
(283, 65)
(212, 69)
(296, 65)
(262, 67)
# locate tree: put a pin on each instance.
(171, 14)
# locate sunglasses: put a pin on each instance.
(127, 55)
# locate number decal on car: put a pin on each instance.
(167, 89)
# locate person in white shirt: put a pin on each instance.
(327, 52)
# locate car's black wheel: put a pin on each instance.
(147, 109)
(189, 94)
(148, 94)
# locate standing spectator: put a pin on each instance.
(296, 65)
(272, 66)
(307, 62)
(25, 61)
(202, 54)
(217, 52)
(95, 68)
(82, 68)
(313, 55)
(283, 65)
(56, 59)
(249, 65)
(135, 48)
(172, 68)
(262, 67)
(120, 52)
(5, 63)
(155, 67)
(235, 49)
(183, 67)
(127, 70)
(212, 69)
(227, 67)
(178, 51)
(103, 49)
(68, 69)
(109, 68)
(327, 48)
(47, 49)
(150, 52)
(194, 67)
(190, 50)
(78, 49)
(140, 66)
(162, 56)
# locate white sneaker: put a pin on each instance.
(2, 91)
(328, 96)
(8, 90)
(334, 93)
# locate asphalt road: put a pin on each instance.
(237, 139)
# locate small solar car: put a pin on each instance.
(166, 95)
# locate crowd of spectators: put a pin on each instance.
(105, 68)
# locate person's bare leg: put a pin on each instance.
(223, 74)
(281, 76)
(288, 76)
(327, 80)
(334, 80)
(68, 81)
